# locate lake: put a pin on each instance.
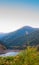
(10, 54)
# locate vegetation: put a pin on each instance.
(12, 41)
(30, 56)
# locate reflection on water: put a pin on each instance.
(10, 54)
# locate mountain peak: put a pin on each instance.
(27, 27)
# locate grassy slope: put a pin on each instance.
(30, 56)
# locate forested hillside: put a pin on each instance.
(21, 42)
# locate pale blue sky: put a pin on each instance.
(15, 14)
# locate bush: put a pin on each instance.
(30, 56)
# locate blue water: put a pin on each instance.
(10, 54)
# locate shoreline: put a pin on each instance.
(6, 51)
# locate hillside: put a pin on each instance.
(2, 48)
(21, 38)
(34, 38)
(2, 35)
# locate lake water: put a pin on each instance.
(10, 54)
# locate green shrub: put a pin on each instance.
(30, 56)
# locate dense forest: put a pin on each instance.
(21, 42)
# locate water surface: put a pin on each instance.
(10, 54)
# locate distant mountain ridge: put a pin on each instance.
(18, 39)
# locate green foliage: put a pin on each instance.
(30, 56)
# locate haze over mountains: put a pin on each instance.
(21, 38)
